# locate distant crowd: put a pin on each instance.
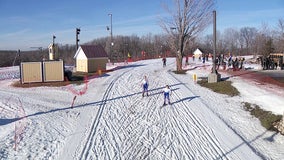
(234, 63)
(270, 63)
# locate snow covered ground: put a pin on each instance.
(113, 121)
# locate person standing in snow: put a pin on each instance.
(164, 62)
(167, 92)
(145, 85)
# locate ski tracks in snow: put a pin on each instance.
(90, 138)
(129, 126)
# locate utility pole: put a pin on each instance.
(18, 54)
(53, 49)
(110, 28)
(214, 76)
(214, 42)
(77, 38)
(111, 42)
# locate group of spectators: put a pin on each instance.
(269, 63)
(234, 63)
(237, 63)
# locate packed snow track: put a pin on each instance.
(129, 126)
(112, 120)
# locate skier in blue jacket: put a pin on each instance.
(167, 92)
(145, 85)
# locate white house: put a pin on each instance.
(197, 53)
(90, 58)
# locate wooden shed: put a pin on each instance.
(46, 71)
(53, 71)
(90, 58)
(31, 72)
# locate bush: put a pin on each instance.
(180, 72)
(266, 118)
(223, 87)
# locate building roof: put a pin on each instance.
(94, 51)
(197, 51)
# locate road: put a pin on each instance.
(275, 77)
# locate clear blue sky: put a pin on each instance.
(32, 23)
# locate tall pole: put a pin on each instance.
(111, 29)
(214, 76)
(53, 47)
(77, 38)
(53, 38)
(214, 42)
(111, 43)
(17, 55)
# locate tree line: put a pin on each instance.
(249, 40)
(238, 42)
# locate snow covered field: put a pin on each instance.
(113, 121)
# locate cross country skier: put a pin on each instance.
(145, 85)
(164, 61)
(167, 92)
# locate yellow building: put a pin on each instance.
(90, 58)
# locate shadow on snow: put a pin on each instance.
(127, 66)
(152, 92)
(184, 99)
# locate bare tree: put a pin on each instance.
(280, 36)
(221, 44)
(263, 44)
(188, 18)
(207, 43)
(281, 27)
(260, 42)
(248, 34)
(231, 37)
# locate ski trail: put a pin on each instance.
(90, 138)
(224, 121)
(129, 126)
